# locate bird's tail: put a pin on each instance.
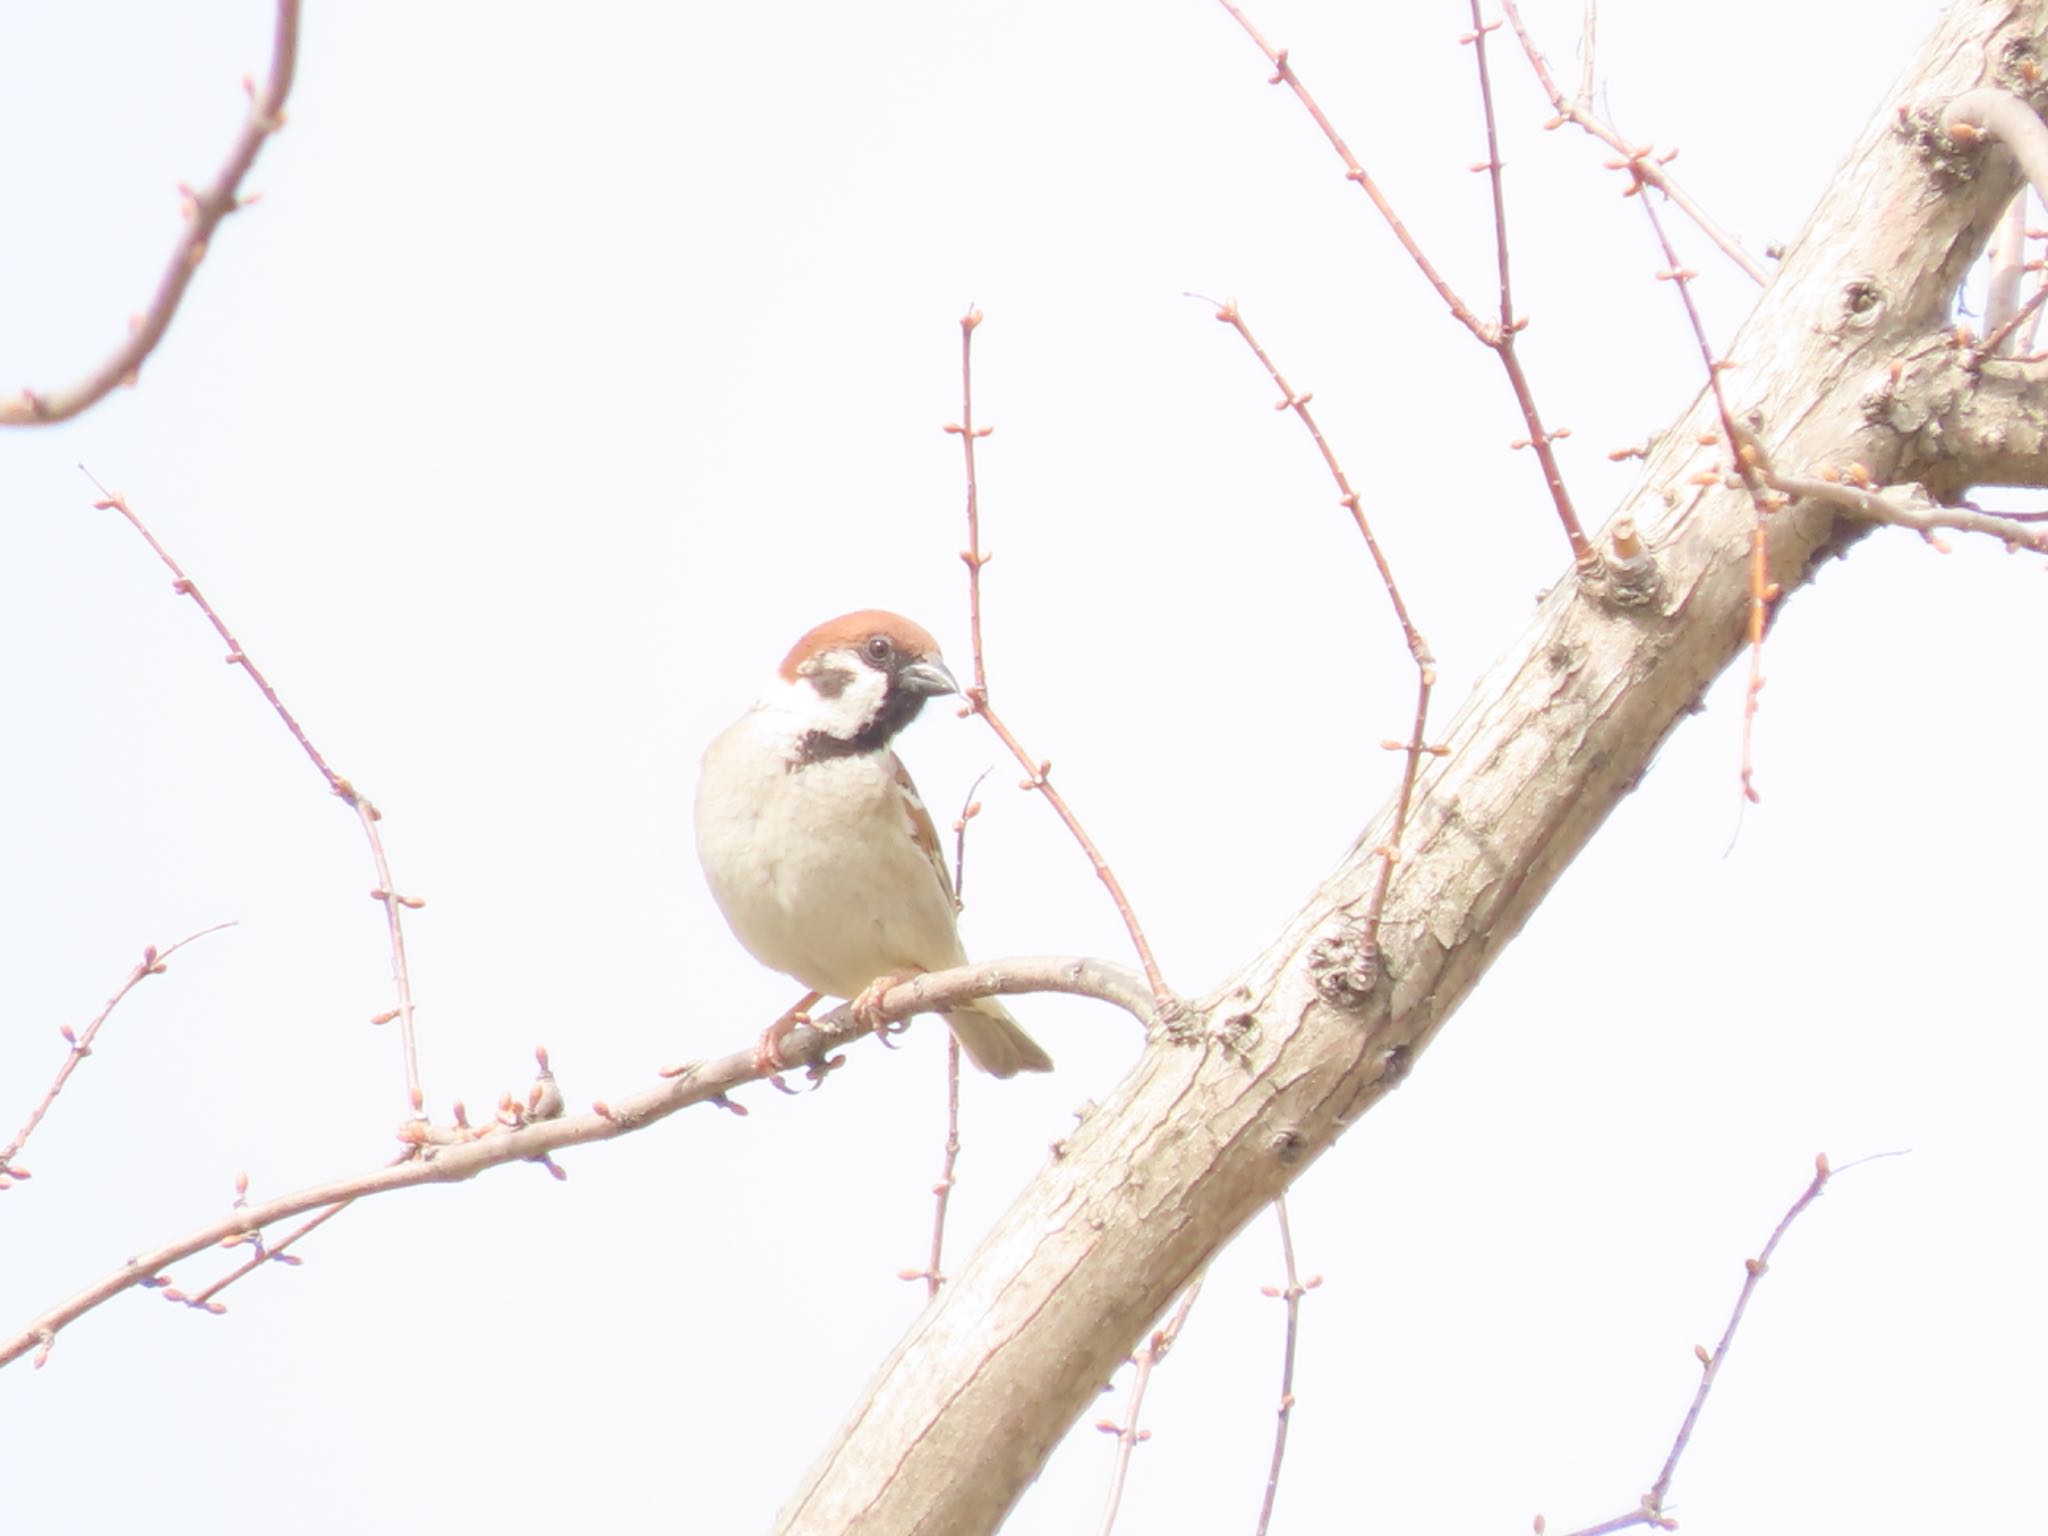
(994, 1041)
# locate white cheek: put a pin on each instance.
(842, 715)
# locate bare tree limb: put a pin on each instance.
(1650, 1511)
(2008, 267)
(205, 208)
(1498, 336)
(1292, 1293)
(79, 1044)
(385, 893)
(1128, 1436)
(447, 1156)
(1918, 513)
(1416, 747)
(1638, 157)
(1039, 769)
(2000, 115)
(1248, 1086)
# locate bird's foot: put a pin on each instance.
(867, 1008)
(768, 1049)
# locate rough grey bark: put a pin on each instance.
(1230, 1102)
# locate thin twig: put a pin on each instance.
(1039, 769)
(1871, 506)
(1579, 111)
(79, 1045)
(1995, 341)
(1415, 747)
(451, 1154)
(385, 892)
(933, 1275)
(1650, 1511)
(1497, 336)
(1128, 1435)
(1293, 1293)
(1588, 30)
(277, 1252)
(1750, 465)
(205, 208)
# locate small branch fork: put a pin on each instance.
(1415, 746)
(385, 893)
(1990, 113)
(1994, 343)
(1763, 592)
(205, 208)
(1039, 769)
(1970, 119)
(79, 1043)
(1849, 490)
(1497, 335)
(1651, 1510)
(538, 1128)
(1128, 1435)
(1636, 159)
(1296, 1288)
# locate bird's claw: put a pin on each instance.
(867, 1008)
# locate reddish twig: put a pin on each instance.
(1996, 340)
(1128, 1435)
(942, 1192)
(273, 1253)
(1751, 466)
(1497, 336)
(1578, 110)
(1296, 1288)
(1651, 1510)
(385, 893)
(1589, 26)
(452, 1154)
(79, 1045)
(1415, 746)
(933, 1275)
(1039, 769)
(205, 208)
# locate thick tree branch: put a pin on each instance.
(1969, 420)
(1235, 1097)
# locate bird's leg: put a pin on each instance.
(867, 1008)
(768, 1052)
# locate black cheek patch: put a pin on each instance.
(830, 682)
(899, 708)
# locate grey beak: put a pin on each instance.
(927, 677)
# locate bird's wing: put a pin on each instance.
(924, 834)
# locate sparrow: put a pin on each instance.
(815, 843)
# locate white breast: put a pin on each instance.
(816, 867)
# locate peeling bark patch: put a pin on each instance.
(1238, 1034)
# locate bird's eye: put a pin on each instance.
(879, 649)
